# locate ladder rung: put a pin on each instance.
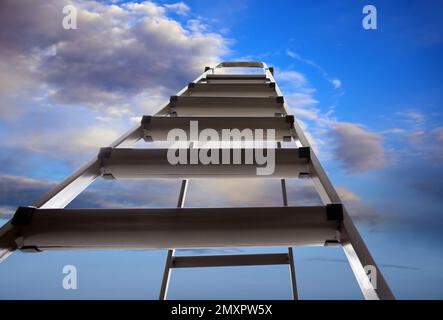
(121, 163)
(230, 260)
(215, 101)
(56, 229)
(236, 77)
(157, 128)
(230, 89)
(226, 106)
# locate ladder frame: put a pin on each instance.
(354, 247)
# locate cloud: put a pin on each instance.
(117, 52)
(414, 117)
(249, 192)
(95, 137)
(179, 8)
(360, 150)
(196, 26)
(19, 191)
(384, 265)
(123, 61)
(335, 82)
(23, 191)
(295, 78)
(346, 195)
(420, 135)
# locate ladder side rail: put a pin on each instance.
(354, 247)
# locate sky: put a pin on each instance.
(370, 102)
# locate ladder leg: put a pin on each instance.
(290, 250)
(293, 278)
(170, 256)
(166, 275)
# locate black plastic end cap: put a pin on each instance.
(146, 120)
(108, 176)
(280, 99)
(172, 114)
(207, 68)
(304, 175)
(304, 152)
(191, 85)
(31, 249)
(332, 243)
(271, 70)
(334, 211)
(105, 152)
(23, 216)
(173, 99)
(290, 119)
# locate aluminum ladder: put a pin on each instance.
(218, 101)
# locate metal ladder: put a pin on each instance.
(173, 261)
(217, 101)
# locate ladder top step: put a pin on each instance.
(241, 64)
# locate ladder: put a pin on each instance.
(222, 97)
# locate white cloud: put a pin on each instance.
(123, 61)
(346, 195)
(414, 117)
(335, 82)
(293, 78)
(360, 150)
(179, 8)
(95, 137)
(196, 26)
(249, 192)
(118, 51)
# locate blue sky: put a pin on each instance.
(371, 101)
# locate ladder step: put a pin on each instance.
(230, 260)
(215, 101)
(157, 128)
(226, 106)
(55, 229)
(201, 89)
(222, 76)
(122, 163)
(241, 64)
